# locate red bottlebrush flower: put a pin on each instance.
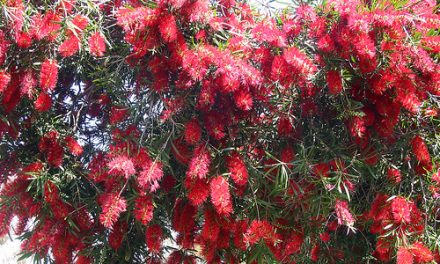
(334, 81)
(321, 170)
(420, 150)
(151, 174)
(220, 196)
(394, 175)
(168, 183)
(50, 192)
(116, 235)
(24, 40)
(69, 47)
(211, 229)
(43, 102)
(288, 155)
(401, 210)
(285, 127)
(357, 127)
(153, 237)
(28, 82)
(436, 177)
(6, 215)
(237, 168)
(243, 100)
(421, 253)
(66, 6)
(81, 259)
(144, 209)
(55, 155)
(121, 165)
(73, 146)
(112, 206)
(48, 75)
(259, 230)
(199, 164)
(325, 237)
(404, 256)
(193, 132)
(181, 152)
(80, 22)
(294, 243)
(326, 44)
(314, 253)
(97, 44)
(117, 114)
(198, 190)
(371, 156)
(45, 26)
(168, 28)
(175, 257)
(343, 213)
(4, 80)
(300, 62)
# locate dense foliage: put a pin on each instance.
(173, 131)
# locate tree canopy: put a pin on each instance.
(179, 131)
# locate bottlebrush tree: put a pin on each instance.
(179, 131)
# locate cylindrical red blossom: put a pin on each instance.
(143, 209)
(74, 147)
(43, 102)
(420, 150)
(211, 228)
(421, 253)
(294, 243)
(184, 215)
(343, 213)
(112, 205)
(334, 81)
(220, 195)
(117, 114)
(314, 253)
(62, 252)
(97, 44)
(82, 259)
(404, 256)
(151, 174)
(48, 74)
(261, 229)
(357, 127)
(55, 154)
(121, 165)
(5, 77)
(24, 40)
(321, 169)
(198, 190)
(285, 127)
(394, 175)
(168, 28)
(301, 64)
(153, 238)
(28, 81)
(69, 47)
(6, 214)
(199, 164)
(175, 257)
(117, 234)
(193, 132)
(401, 210)
(243, 100)
(288, 155)
(237, 169)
